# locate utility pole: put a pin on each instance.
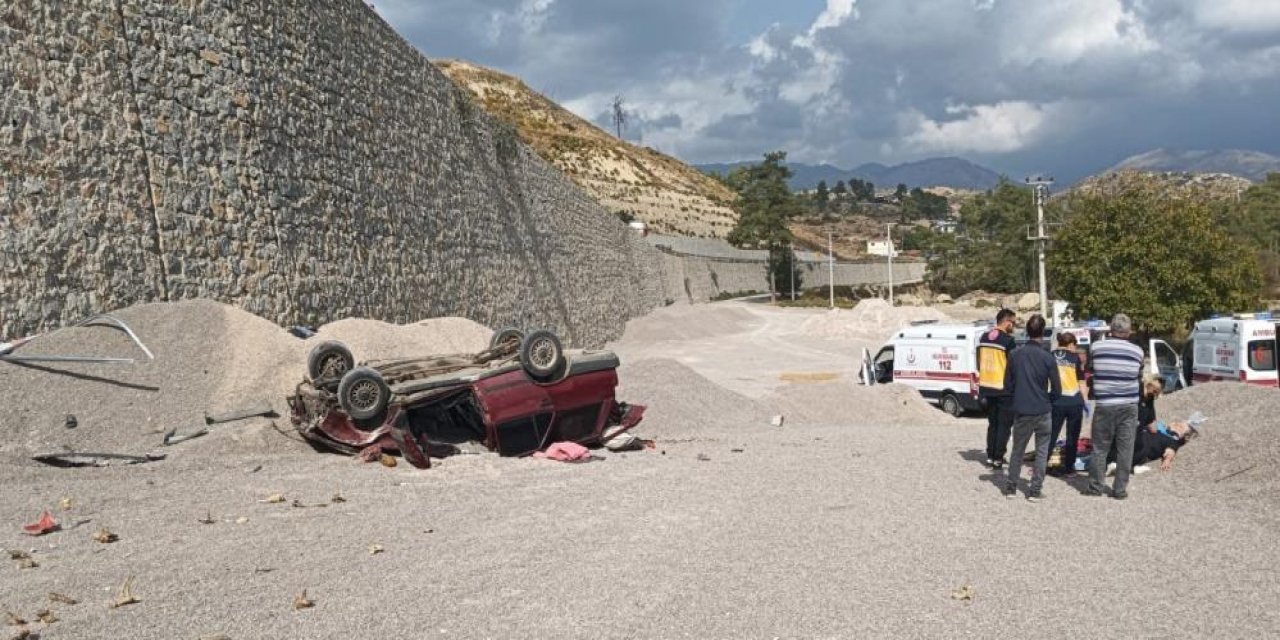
(792, 259)
(1040, 187)
(888, 236)
(831, 268)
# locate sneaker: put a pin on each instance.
(997, 464)
(1141, 469)
(990, 462)
(1111, 468)
(1120, 495)
(1009, 492)
(1035, 496)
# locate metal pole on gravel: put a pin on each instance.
(888, 237)
(831, 269)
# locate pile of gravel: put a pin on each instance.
(1238, 450)
(376, 340)
(689, 322)
(209, 358)
(873, 319)
(680, 402)
(845, 403)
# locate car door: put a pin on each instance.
(1163, 360)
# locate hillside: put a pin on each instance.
(672, 197)
(956, 173)
(1207, 186)
(1253, 165)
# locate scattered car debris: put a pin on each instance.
(8, 349)
(263, 410)
(704, 457)
(299, 331)
(517, 396)
(303, 602)
(105, 536)
(70, 422)
(242, 520)
(70, 459)
(24, 634)
(564, 452)
(45, 524)
(964, 593)
(46, 616)
(18, 554)
(736, 450)
(776, 420)
(172, 437)
(28, 563)
(275, 498)
(65, 504)
(387, 460)
(125, 597)
(12, 619)
(375, 549)
(54, 596)
(337, 497)
(216, 636)
(207, 519)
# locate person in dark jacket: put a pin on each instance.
(1068, 409)
(993, 356)
(1032, 377)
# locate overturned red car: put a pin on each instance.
(520, 395)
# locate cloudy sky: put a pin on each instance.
(1023, 86)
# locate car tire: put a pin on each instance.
(542, 355)
(329, 360)
(506, 335)
(951, 404)
(363, 394)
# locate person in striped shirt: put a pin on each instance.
(1116, 364)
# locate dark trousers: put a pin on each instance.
(1113, 426)
(1073, 417)
(1024, 429)
(999, 423)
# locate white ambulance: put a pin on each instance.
(1240, 348)
(938, 360)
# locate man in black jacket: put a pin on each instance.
(1032, 377)
(993, 356)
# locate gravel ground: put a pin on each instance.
(730, 528)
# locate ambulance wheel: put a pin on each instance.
(951, 404)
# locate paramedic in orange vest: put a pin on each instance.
(993, 358)
(1069, 407)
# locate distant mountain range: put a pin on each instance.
(957, 173)
(1253, 165)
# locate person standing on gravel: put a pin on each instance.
(993, 357)
(1116, 364)
(1068, 409)
(1032, 377)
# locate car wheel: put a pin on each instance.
(541, 355)
(506, 335)
(363, 394)
(329, 361)
(951, 404)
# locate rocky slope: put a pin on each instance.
(672, 197)
(1253, 165)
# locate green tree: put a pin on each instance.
(993, 253)
(862, 190)
(822, 197)
(765, 204)
(921, 204)
(839, 191)
(901, 192)
(1255, 221)
(1163, 260)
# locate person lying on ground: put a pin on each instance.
(1163, 441)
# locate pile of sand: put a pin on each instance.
(873, 319)
(846, 403)
(377, 340)
(209, 358)
(681, 402)
(689, 322)
(1238, 450)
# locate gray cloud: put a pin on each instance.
(1074, 83)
